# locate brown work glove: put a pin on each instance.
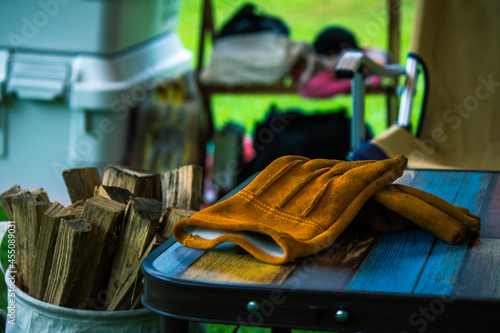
(293, 208)
(396, 206)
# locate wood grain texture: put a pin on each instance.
(480, 272)
(105, 216)
(334, 267)
(70, 245)
(6, 197)
(394, 264)
(183, 187)
(141, 221)
(481, 275)
(170, 218)
(80, 182)
(6, 200)
(44, 252)
(444, 184)
(28, 213)
(490, 209)
(39, 194)
(131, 288)
(170, 187)
(75, 209)
(433, 274)
(439, 274)
(46, 243)
(141, 183)
(473, 191)
(190, 187)
(114, 193)
(233, 265)
(176, 259)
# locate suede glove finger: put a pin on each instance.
(399, 204)
(295, 207)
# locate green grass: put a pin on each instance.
(366, 18)
(3, 216)
(215, 328)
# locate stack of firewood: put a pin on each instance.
(88, 255)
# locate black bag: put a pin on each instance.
(248, 20)
(295, 133)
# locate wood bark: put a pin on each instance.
(141, 183)
(106, 218)
(6, 198)
(170, 218)
(70, 245)
(183, 187)
(114, 193)
(141, 222)
(45, 246)
(27, 213)
(131, 288)
(80, 182)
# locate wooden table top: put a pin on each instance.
(404, 281)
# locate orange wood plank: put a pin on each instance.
(235, 266)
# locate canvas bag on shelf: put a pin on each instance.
(255, 48)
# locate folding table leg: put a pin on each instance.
(173, 325)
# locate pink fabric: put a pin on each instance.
(248, 149)
(325, 84)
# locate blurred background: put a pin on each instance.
(367, 19)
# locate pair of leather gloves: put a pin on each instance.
(297, 207)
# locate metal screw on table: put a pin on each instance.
(341, 316)
(252, 306)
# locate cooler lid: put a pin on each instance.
(92, 81)
(100, 82)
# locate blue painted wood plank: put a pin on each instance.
(481, 275)
(439, 274)
(394, 263)
(398, 261)
(490, 209)
(472, 193)
(442, 184)
(176, 259)
(440, 271)
(333, 268)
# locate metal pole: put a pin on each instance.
(358, 133)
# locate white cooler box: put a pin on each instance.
(91, 26)
(60, 111)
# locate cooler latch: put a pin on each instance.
(40, 81)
